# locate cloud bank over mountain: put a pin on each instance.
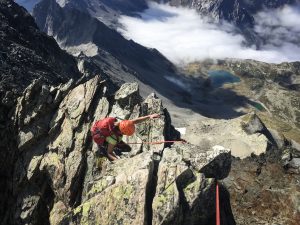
(184, 36)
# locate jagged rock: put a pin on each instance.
(122, 201)
(218, 163)
(28, 54)
(264, 188)
(52, 163)
(72, 110)
(128, 95)
(294, 165)
(77, 185)
(166, 203)
(67, 123)
(183, 194)
(153, 131)
(58, 211)
(31, 209)
(255, 125)
(33, 166)
(74, 166)
(213, 163)
(290, 160)
(33, 111)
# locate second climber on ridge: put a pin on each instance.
(108, 133)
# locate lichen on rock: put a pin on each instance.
(150, 184)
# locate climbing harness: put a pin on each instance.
(217, 205)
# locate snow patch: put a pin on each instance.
(181, 130)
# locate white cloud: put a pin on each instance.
(279, 26)
(183, 36)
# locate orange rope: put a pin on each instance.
(155, 142)
(217, 206)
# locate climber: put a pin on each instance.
(107, 133)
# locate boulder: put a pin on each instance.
(218, 163)
(119, 197)
(128, 95)
(254, 125)
(153, 130)
(184, 195)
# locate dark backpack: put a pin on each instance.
(103, 129)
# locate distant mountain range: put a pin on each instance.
(26, 53)
(238, 12)
(107, 11)
(78, 32)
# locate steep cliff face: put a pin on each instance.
(25, 54)
(60, 177)
(52, 172)
(107, 11)
(77, 32)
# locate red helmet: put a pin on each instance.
(127, 127)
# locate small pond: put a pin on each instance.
(220, 77)
(258, 106)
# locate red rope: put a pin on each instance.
(217, 205)
(155, 142)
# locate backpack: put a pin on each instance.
(103, 129)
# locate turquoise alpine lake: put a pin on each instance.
(220, 77)
(258, 106)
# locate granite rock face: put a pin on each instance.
(26, 54)
(59, 177)
(185, 192)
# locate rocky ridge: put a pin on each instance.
(25, 54)
(116, 56)
(60, 176)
